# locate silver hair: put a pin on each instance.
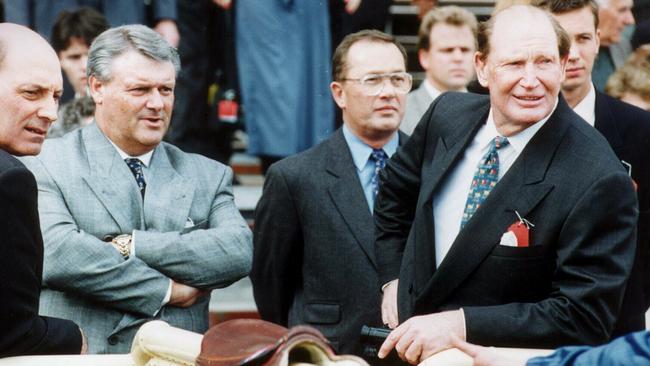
(134, 37)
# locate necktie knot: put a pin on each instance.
(135, 165)
(379, 156)
(499, 142)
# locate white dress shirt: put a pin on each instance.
(587, 107)
(449, 201)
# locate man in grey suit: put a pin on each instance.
(314, 260)
(134, 229)
(446, 45)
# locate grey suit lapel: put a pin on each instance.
(422, 100)
(521, 189)
(348, 197)
(169, 196)
(109, 177)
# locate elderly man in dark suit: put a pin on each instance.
(30, 87)
(498, 215)
(313, 258)
(626, 128)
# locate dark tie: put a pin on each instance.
(379, 157)
(136, 168)
(485, 178)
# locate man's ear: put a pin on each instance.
(480, 65)
(423, 57)
(96, 89)
(338, 94)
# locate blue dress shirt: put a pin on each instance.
(361, 158)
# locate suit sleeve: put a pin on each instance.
(277, 255)
(81, 264)
(594, 255)
(395, 204)
(631, 349)
(24, 332)
(207, 258)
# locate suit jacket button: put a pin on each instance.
(113, 340)
(108, 238)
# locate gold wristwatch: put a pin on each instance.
(123, 244)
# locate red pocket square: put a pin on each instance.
(518, 235)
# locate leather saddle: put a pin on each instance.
(253, 342)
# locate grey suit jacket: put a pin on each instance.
(417, 103)
(86, 192)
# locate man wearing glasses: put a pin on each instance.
(314, 260)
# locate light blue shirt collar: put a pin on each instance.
(361, 152)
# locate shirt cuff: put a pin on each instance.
(383, 287)
(168, 297)
(462, 315)
(132, 244)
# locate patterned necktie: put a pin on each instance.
(136, 168)
(485, 178)
(379, 156)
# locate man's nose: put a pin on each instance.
(574, 54)
(155, 100)
(529, 78)
(48, 110)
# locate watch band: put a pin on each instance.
(123, 245)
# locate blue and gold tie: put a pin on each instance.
(379, 157)
(136, 168)
(485, 178)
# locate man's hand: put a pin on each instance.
(168, 30)
(422, 336)
(484, 356)
(84, 343)
(184, 296)
(389, 305)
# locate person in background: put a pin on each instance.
(446, 46)
(631, 83)
(626, 128)
(613, 17)
(72, 35)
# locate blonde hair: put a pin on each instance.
(633, 76)
(503, 4)
(452, 15)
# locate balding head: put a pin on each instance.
(30, 87)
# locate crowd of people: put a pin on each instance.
(503, 202)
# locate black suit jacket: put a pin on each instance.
(313, 259)
(566, 288)
(627, 129)
(22, 331)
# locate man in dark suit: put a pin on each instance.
(626, 128)
(497, 216)
(313, 259)
(30, 86)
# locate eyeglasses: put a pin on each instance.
(373, 84)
